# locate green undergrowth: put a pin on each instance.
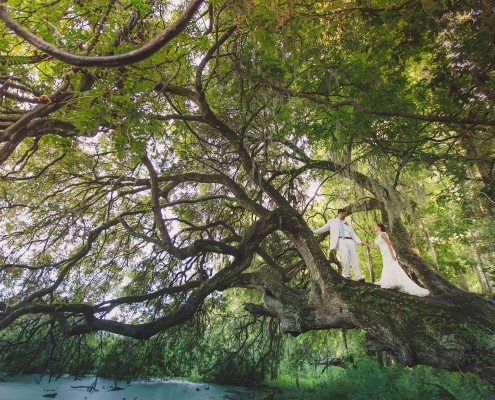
(367, 380)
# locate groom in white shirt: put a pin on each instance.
(344, 239)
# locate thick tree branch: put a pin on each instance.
(364, 205)
(27, 124)
(406, 330)
(164, 37)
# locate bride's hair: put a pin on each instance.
(382, 227)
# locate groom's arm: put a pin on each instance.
(324, 228)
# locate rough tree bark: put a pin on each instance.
(453, 331)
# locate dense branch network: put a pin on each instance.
(198, 287)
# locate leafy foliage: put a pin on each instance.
(134, 199)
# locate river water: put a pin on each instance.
(34, 387)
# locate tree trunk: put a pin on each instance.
(481, 278)
(462, 281)
(433, 253)
(478, 150)
(485, 260)
(370, 265)
(343, 336)
(454, 333)
(449, 331)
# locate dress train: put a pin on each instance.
(393, 276)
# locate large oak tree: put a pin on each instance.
(155, 154)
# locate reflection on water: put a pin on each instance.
(90, 388)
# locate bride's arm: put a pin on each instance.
(389, 244)
(372, 245)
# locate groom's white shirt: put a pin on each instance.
(333, 226)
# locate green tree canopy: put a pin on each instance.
(155, 154)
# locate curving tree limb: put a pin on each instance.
(134, 56)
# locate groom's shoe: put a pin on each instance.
(361, 280)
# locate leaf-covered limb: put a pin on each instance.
(384, 113)
(131, 57)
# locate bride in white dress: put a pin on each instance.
(393, 276)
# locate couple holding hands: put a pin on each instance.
(344, 239)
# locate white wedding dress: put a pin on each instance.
(393, 276)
